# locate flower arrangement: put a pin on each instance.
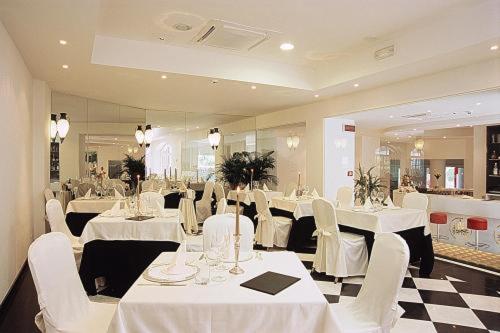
(437, 175)
(366, 184)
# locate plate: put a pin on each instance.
(156, 273)
(244, 256)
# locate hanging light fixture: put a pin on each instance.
(148, 136)
(53, 127)
(139, 135)
(419, 144)
(214, 138)
(62, 126)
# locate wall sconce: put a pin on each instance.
(59, 127)
(419, 144)
(214, 138)
(292, 141)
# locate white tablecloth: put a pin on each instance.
(387, 220)
(299, 208)
(118, 228)
(226, 306)
(91, 205)
(247, 197)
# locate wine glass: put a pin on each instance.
(216, 246)
(305, 191)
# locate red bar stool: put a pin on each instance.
(477, 223)
(438, 218)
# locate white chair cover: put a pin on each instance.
(219, 192)
(57, 223)
(221, 206)
(345, 197)
(83, 188)
(190, 194)
(271, 230)
(224, 224)
(63, 302)
(338, 253)
(375, 309)
(48, 194)
(415, 200)
(151, 200)
(290, 187)
(204, 205)
(188, 215)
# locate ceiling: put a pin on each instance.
(115, 54)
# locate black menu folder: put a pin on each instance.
(270, 282)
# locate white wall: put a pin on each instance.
(16, 97)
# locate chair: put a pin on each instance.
(64, 305)
(338, 253)
(477, 223)
(220, 225)
(188, 215)
(219, 192)
(204, 205)
(221, 206)
(83, 188)
(289, 189)
(344, 197)
(152, 200)
(57, 223)
(438, 218)
(375, 309)
(415, 200)
(271, 230)
(48, 194)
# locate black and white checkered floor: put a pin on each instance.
(454, 299)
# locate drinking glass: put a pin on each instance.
(217, 244)
(203, 276)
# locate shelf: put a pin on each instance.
(493, 175)
(494, 159)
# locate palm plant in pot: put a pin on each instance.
(132, 167)
(366, 185)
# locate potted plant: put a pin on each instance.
(366, 184)
(132, 167)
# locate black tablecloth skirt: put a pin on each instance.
(120, 262)
(301, 239)
(172, 200)
(249, 211)
(77, 221)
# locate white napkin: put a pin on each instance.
(87, 195)
(368, 205)
(159, 209)
(118, 195)
(179, 265)
(265, 188)
(247, 188)
(315, 194)
(389, 202)
(183, 187)
(115, 210)
(293, 195)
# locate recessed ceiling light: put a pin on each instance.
(253, 87)
(444, 137)
(397, 138)
(116, 139)
(161, 38)
(458, 125)
(215, 81)
(316, 96)
(197, 127)
(414, 129)
(63, 42)
(65, 66)
(494, 47)
(478, 103)
(391, 116)
(356, 85)
(164, 77)
(182, 27)
(286, 46)
(388, 142)
(409, 136)
(429, 111)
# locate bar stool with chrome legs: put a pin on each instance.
(477, 223)
(438, 218)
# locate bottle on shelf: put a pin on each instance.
(495, 169)
(494, 155)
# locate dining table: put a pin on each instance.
(81, 210)
(225, 306)
(119, 246)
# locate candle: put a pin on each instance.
(251, 179)
(138, 192)
(299, 181)
(197, 176)
(170, 177)
(164, 174)
(237, 210)
(175, 174)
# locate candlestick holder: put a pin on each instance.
(236, 269)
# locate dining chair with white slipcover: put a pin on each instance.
(188, 214)
(376, 309)
(204, 205)
(219, 192)
(221, 206)
(83, 188)
(344, 197)
(57, 222)
(220, 225)
(415, 200)
(64, 305)
(339, 254)
(290, 187)
(152, 200)
(271, 230)
(48, 194)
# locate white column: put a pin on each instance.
(479, 179)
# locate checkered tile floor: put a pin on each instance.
(455, 299)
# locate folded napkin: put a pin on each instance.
(265, 188)
(179, 265)
(118, 195)
(293, 195)
(87, 195)
(160, 210)
(247, 188)
(115, 210)
(388, 202)
(368, 205)
(315, 194)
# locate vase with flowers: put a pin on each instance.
(437, 175)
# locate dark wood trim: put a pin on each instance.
(14, 288)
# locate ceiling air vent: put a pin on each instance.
(229, 35)
(384, 53)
